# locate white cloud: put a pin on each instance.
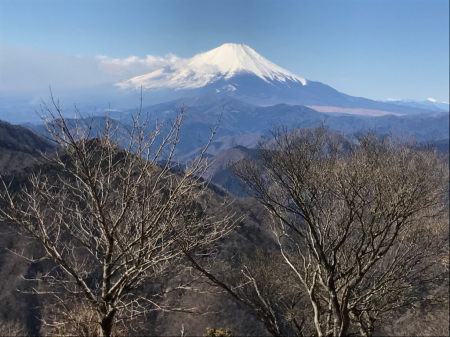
(30, 69)
(133, 66)
(26, 74)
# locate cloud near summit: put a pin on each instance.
(134, 66)
(24, 70)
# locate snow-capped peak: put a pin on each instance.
(223, 62)
(231, 59)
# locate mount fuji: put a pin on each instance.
(238, 71)
(250, 95)
(222, 63)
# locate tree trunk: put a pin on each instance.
(316, 314)
(107, 324)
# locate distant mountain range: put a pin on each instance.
(235, 70)
(250, 95)
(245, 124)
(429, 104)
(229, 72)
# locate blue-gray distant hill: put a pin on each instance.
(243, 124)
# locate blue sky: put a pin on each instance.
(371, 48)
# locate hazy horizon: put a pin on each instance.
(375, 49)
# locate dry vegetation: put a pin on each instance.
(113, 220)
(340, 238)
(362, 228)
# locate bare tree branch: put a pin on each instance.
(113, 218)
(363, 226)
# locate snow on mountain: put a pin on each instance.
(428, 104)
(223, 63)
(237, 71)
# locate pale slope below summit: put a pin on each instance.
(236, 70)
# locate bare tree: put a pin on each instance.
(113, 219)
(362, 226)
(76, 318)
(13, 329)
(265, 282)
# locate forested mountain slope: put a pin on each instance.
(20, 147)
(218, 309)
